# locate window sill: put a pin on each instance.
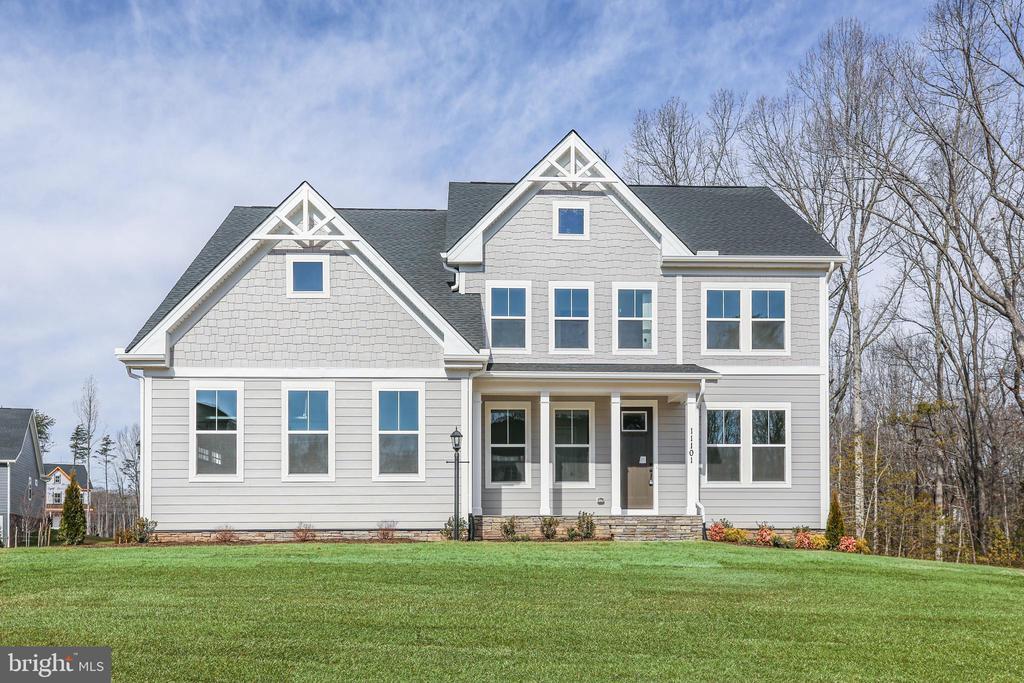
(215, 478)
(386, 478)
(635, 352)
(308, 295)
(573, 485)
(501, 485)
(510, 350)
(746, 485)
(572, 352)
(307, 478)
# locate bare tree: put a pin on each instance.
(87, 408)
(128, 442)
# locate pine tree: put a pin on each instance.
(72, 519)
(80, 446)
(835, 529)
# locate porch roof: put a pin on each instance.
(660, 370)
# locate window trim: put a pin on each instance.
(292, 259)
(193, 388)
(745, 320)
(378, 387)
(331, 454)
(510, 284)
(589, 286)
(592, 460)
(746, 409)
(616, 287)
(570, 204)
(622, 420)
(506, 405)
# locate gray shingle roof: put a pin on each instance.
(81, 472)
(13, 424)
(684, 369)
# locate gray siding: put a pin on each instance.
(4, 473)
(782, 507)
(263, 501)
(617, 251)
(255, 324)
(570, 501)
(24, 475)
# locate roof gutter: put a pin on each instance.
(646, 376)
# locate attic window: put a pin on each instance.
(570, 220)
(308, 276)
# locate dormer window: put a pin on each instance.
(570, 220)
(308, 276)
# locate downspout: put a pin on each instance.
(458, 275)
(700, 505)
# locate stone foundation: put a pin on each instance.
(289, 535)
(622, 528)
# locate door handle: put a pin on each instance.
(650, 482)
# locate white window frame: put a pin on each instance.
(589, 286)
(331, 454)
(511, 284)
(622, 424)
(506, 405)
(292, 259)
(570, 204)
(745, 320)
(746, 445)
(399, 386)
(592, 459)
(616, 287)
(193, 388)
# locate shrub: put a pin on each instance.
(508, 529)
(835, 529)
(144, 528)
(847, 544)
(549, 527)
(765, 534)
(125, 536)
(801, 529)
(819, 542)
(862, 546)
(225, 534)
(448, 531)
(572, 533)
(585, 525)
(304, 532)
(734, 535)
(72, 520)
(804, 540)
(780, 541)
(386, 530)
(716, 532)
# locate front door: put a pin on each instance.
(637, 453)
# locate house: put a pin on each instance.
(21, 476)
(652, 355)
(58, 478)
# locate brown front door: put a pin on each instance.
(637, 453)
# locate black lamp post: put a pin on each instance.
(457, 447)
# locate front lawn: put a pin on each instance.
(608, 611)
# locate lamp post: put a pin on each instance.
(457, 447)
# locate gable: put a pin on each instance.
(14, 427)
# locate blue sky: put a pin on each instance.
(128, 130)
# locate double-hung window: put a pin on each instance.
(634, 324)
(308, 276)
(58, 497)
(747, 444)
(508, 451)
(215, 443)
(508, 319)
(574, 444)
(570, 220)
(768, 319)
(746, 318)
(571, 319)
(308, 436)
(723, 319)
(398, 442)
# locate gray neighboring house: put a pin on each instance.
(653, 355)
(22, 487)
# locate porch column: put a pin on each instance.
(478, 455)
(616, 426)
(692, 454)
(545, 453)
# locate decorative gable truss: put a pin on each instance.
(571, 165)
(308, 220)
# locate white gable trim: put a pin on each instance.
(585, 168)
(329, 227)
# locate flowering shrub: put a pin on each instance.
(765, 534)
(804, 541)
(862, 546)
(819, 542)
(733, 535)
(716, 532)
(847, 544)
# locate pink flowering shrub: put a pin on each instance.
(803, 540)
(847, 544)
(716, 532)
(765, 535)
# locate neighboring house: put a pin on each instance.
(21, 475)
(58, 478)
(644, 353)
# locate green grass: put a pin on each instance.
(594, 611)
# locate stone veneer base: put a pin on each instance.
(288, 535)
(618, 528)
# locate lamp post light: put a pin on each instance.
(456, 447)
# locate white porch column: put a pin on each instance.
(616, 426)
(545, 453)
(692, 454)
(477, 458)
(469, 451)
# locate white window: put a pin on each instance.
(308, 276)
(634, 420)
(58, 497)
(216, 422)
(398, 441)
(634, 312)
(307, 435)
(507, 440)
(508, 316)
(573, 444)
(745, 319)
(56, 478)
(570, 220)
(747, 444)
(572, 325)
